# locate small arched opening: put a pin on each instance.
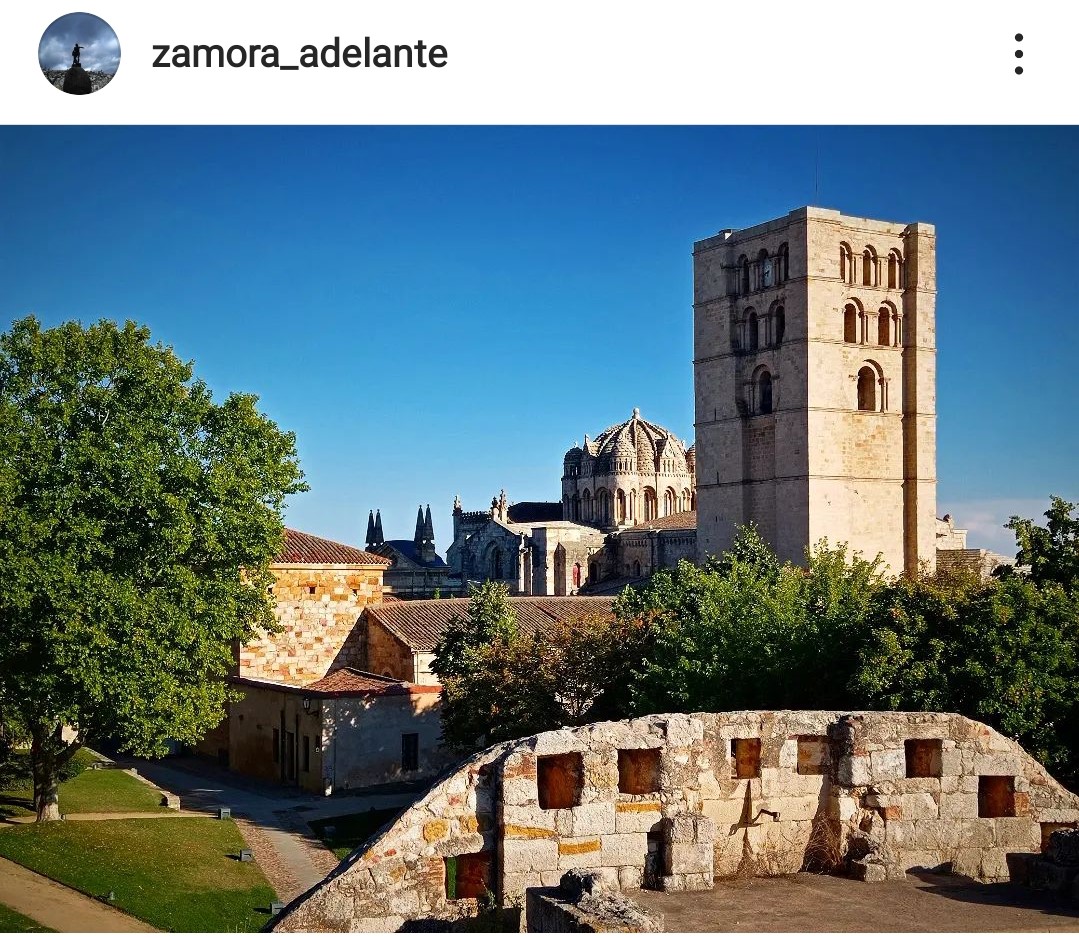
(779, 325)
(867, 389)
(752, 332)
(764, 392)
(884, 326)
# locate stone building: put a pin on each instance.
(670, 802)
(527, 546)
(310, 716)
(416, 571)
(814, 378)
(633, 472)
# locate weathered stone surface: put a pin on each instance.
(767, 826)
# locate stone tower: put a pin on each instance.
(815, 385)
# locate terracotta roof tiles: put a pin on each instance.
(306, 548)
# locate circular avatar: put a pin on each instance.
(79, 53)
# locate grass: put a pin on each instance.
(90, 791)
(177, 874)
(12, 921)
(351, 830)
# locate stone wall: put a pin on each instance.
(316, 606)
(381, 652)
(670, 801)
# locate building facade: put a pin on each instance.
(814, 378)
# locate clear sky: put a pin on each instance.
(441, 311)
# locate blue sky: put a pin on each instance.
(441, 311)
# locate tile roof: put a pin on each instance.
(347, 682)
(306, 548)
(419, 623)
(679, 521)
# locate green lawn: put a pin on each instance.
(177, 874)
(91, 791)
(351, 830)
(12, 921)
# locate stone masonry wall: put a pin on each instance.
(671, 801)
(317, 606)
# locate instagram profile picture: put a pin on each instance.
(79, 53)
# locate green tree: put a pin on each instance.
(137, 521)
(1052, 552)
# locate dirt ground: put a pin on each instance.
(925, 902)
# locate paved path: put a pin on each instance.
(924, 902)
(58, 907)
(273, 820)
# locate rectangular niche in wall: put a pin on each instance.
(923, 758)
(559, 779)
(814, 755)
(468, 876)
(745, 758)
(996, 796)
(638, 771)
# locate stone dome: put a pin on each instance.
(638, 445)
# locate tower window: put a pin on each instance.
(744, 274)
(779, 324)
(846, 263)
(867, 389)
(869, 268)
(895, 271)
(884, 323)
(850, 323)
(753, 329)
(782, 263)
(764, 393)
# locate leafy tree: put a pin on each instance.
(749, 632)
(1051, 551)
(501, 682)
(137, 521)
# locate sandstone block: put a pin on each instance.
(630, 877)
(1016, 833)
(919, 805)
(691, 858)
(588, 819)
(623, 850)
(635, 822)
(959, 806)
(529, 856)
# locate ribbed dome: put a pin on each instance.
(573, 455)
(643, 444)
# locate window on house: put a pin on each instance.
(923, 757)
(559, 780)
(996, 796)
(468, 876)
(814, 755)
(638, 771)
(745, 758)
(410, 752)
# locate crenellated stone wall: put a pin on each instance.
(671, 801)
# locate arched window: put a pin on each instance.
(850, 323)
(765, 270)
(867, 389)
(884, 326)
(636, 568)
(575, 508)
(736, 332)
(752, 333)
(779, 325)
(846, 263)
(869, 267)
(686, 500)
(586, 505)
(650, 504)
(495, 569)
(743, 264)
(620, 507)
(668, 502)
(783, 263)
(631, 506)
(764, 392)
(895, 270)
(603, 506)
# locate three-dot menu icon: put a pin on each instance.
(1019, 54)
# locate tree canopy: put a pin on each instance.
(137, 521)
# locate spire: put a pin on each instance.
(428, 527)
(426, 547)
(370, 530)
(379, 537)
(417, 538)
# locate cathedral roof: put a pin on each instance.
(642, 440)
(407, 549)
(679, 521)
